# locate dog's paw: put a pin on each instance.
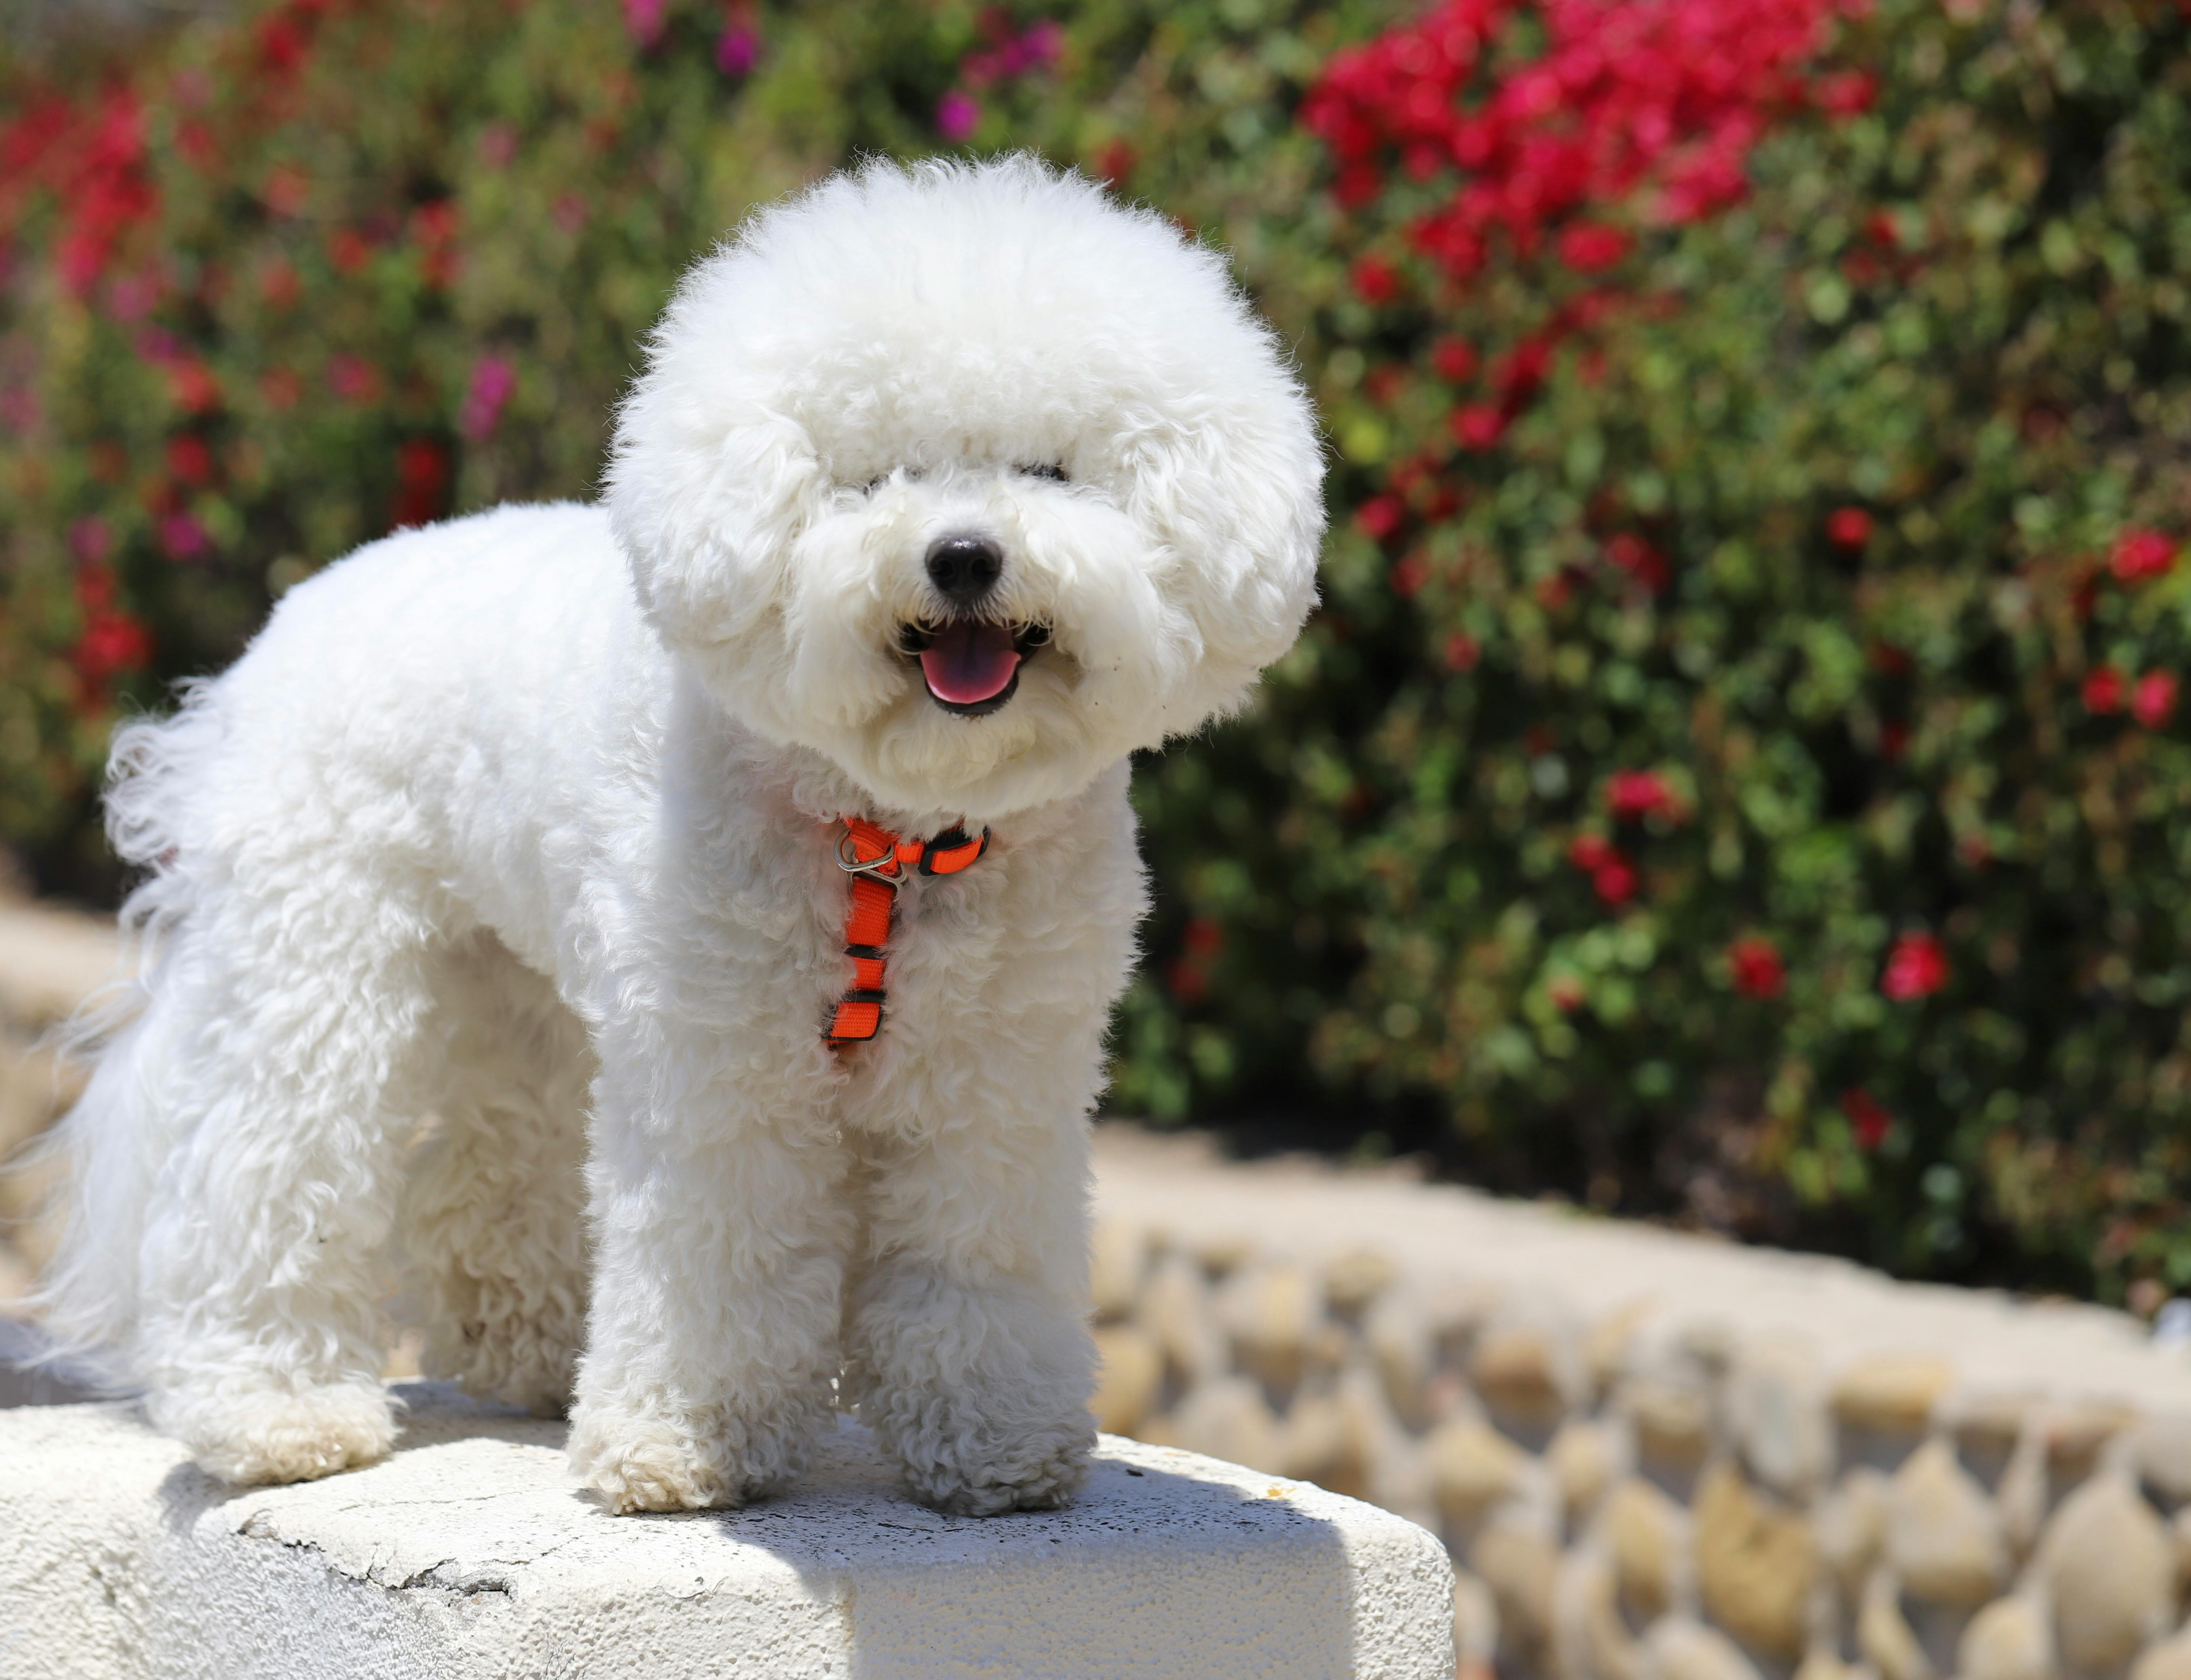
(973, 1471)
(649, 1462)
(278, 1436)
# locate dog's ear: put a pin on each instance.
(1239, 494)
(705, 493)
(709, 479)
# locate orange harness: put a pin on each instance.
(876, 859)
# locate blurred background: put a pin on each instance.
(1737, 776)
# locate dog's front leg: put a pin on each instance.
(970, 1353)
(720, 1231)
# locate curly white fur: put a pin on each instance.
(522, 821)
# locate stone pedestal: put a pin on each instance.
(471, 1553)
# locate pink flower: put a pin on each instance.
(2153, 702)
(738, 51)
(644, 19)
(493, 380)
(91, 540)
(956, 117)
(182, 538)
(2140, 555)
(1916, 968)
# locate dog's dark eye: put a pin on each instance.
(1048, 470)
(869, 488)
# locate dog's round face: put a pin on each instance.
(971, 480)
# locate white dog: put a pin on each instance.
(944, 491)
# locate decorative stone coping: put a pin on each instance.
(470, 1553)
(1661, 1457)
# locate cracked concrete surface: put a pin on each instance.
(471, 1553)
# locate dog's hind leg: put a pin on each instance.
(297, 997)
(494, 1214)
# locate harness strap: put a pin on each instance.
(877, 860)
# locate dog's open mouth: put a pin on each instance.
(971, 666)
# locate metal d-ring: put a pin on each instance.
(882, 869)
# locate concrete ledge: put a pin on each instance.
(471, 1553)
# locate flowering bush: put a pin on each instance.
(339, 265)
(1738, 771)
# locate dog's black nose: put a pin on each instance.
(964, 569)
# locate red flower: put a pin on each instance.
(279, 285)
(1758, 970)
(1590, 851)
(282, 388)
(1379, 516)
(1115, 162)
(1847, 93)
(1640, 560)
(352, 379)
(1454, 358)
(2140, 555)
(1867, 1119)
(1848, 527)
(1461, 652)
(1633, 794)
(1375, 280)
(1616, 882)
(188, 459)
(192, 388)
(1478, 426)
(421, 473)
(2153, 702)
(1587, 248)
(1916, 968)
(2105, 690)
(349, 250)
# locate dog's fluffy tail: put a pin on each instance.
(112, 1143)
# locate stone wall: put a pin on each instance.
(1656, 1457)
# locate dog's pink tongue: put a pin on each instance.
(969, 662)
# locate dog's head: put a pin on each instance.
(969, 479)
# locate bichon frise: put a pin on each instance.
(737, 874)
